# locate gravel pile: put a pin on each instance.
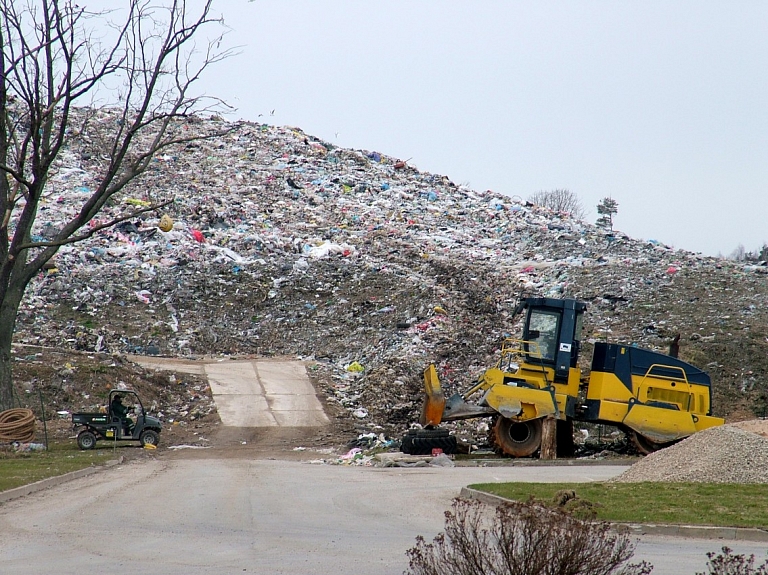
(724, 454)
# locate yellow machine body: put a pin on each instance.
(516, 388)
(654, 396)
(661, 404)
(521, 389)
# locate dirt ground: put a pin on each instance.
(61, 382)
(758, 426)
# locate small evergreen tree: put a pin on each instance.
(607, 208)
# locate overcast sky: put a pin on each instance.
(661, 105)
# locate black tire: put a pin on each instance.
(149, 437)
(425, 445)
(86, 440)
(517, 439)
(647, 446)
(428, 432)
(406, 445)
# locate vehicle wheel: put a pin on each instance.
(646, 446)
(86, 440)
(149, 437)
(406, 445)
(517, 439)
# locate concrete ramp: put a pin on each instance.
(263, 393)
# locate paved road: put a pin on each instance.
(176, 515)
(253, 393)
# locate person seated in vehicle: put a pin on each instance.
(121, 411)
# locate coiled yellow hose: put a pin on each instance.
(17, 425)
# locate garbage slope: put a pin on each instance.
(283, 244)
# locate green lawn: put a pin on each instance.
(18, 469)
(725, 505)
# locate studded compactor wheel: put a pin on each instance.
(646, 446)
(517, 439)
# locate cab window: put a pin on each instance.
(542, 334)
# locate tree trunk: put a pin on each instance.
(549, 438)
(9, 308)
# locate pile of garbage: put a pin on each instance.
(371, 450)
(279, 243)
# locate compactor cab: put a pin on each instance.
(552, 337)
(536, 376)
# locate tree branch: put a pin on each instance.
(93, 230)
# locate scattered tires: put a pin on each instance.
(517, 439)
(423, 441)
(149, 437)
(428, 432)
(86, 440)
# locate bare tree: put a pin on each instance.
(739, 254)
(559, 201)
(522, 538)
(55, 56)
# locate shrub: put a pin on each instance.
(522, 539)
(725, 563)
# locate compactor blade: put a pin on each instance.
(456, 408)
(434, 400)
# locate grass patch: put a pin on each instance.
(718, 504)
(17, 469)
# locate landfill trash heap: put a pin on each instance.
(281, 244)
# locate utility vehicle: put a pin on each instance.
(110, 426)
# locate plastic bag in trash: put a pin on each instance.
(442, 460)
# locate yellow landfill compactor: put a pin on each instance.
(655, 398)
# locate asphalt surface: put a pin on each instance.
(179, 515)
(231, 510)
